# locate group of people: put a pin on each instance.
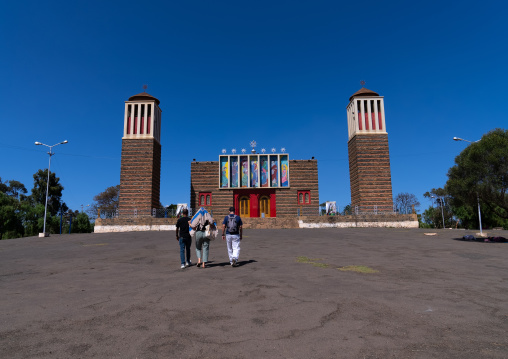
(231, 233)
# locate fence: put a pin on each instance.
(300, 211)
(359, 210)
(135, 213)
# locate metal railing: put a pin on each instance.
(362, 210)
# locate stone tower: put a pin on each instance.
(141, 156)
(369, 157)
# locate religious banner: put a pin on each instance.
(254, 179)
(234, 171)
(263, 160)
(274, 171)
(331, 208)
(254, 171)
(244, 174)
(224, 172)
(284, 171)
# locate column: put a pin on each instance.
(376, 115)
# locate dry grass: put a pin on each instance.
(358, 269)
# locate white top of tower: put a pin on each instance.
(366, 113)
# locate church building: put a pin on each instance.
(257, 185)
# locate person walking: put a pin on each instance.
(232, 234)
(184, 238)
(198, 223)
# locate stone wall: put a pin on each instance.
(139, 176)
(369, 170)
(363, 221)
(168, 224)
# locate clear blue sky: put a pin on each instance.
(228, 72)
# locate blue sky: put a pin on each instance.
(228, 72)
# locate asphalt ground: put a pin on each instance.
(123, 295)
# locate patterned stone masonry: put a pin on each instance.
(370, 175)
(303, 176)
(139, 177)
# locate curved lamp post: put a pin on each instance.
(50, 153)
(477, 195)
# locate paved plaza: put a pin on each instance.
(298, 293)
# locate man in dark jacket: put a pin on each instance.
(232, 234)
(184, 238)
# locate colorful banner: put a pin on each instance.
(274, 171)
(234, 171)
(224, 172)
(264, 170)
(254, 179)
(244, 175)
(284, 171)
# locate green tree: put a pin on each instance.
(480, 174)
(32, 217)
(16, 189)
(3, 186)
(10, 223)
(38, 195)
(81, 224)
(347, 210)
(433, 216)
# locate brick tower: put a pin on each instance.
(141, 156)
(369, 157)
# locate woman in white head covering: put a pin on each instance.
(198, 223)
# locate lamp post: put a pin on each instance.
(84, 206)
(50, 153)
(477, 195)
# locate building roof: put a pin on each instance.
(364, 92)
(143, 96)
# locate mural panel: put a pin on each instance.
(224, 172)
(254, 179)
(244, 175)
(274, 171)
(264, 170)
(284, 171)
(234, 171)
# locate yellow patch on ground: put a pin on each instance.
(358, 269)
(313, 261)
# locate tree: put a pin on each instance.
(347, 210)
(10, 223)
(3, 186)
(81, 224)
(405, 201)
(54, 194)
(433, 216)
(106, 201)
(16, 189)
(480, 174)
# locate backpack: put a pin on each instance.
(232, 224)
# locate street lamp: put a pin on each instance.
(84, 206)
(50, 153)
(477, 195)
(461, 139)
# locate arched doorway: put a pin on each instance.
(264, 206)
(244, 206)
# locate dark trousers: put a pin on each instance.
(185, 244)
